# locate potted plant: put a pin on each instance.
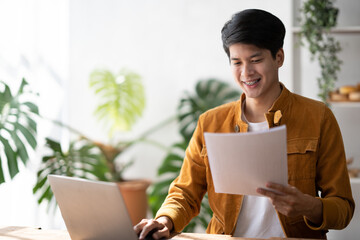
(122, 101)
(318, 17)
(18, 127)
(209, 93)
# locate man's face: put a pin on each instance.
(255, 70)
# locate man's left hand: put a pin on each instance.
(291, 202)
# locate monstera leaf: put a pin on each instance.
(82, 159)
(170, 168)
(122, 98)
(208, 94)
(17, 127)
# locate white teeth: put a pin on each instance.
(250, 83)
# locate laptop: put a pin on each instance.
(92, 209)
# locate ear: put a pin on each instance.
(280, 57)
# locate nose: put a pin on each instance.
(247, 70)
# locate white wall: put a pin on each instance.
(33, 45)
(172, 44)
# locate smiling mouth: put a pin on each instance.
(250, 83)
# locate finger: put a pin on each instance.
(162, 233)
(151, 225)
(269, 193)
(286, 210)
(281, 209)
(263, 192)
(138, 227)
(281, 188)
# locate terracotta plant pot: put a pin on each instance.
(135, 198)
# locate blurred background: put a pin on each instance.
(56, 45)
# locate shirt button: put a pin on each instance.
(277, 117)
(236, 128)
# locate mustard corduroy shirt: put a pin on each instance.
(316, 165)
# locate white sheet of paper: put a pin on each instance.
(242, 162)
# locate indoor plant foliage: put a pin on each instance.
(18, 127)
(81, 159)
(122, 98)
(208, 94)
(122, 101)
(318, 17)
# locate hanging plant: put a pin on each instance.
(318, 17)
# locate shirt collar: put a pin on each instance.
(274, 114)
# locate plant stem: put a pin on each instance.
(155, 143)
(141, 138)
(153, 129)
(71, 129)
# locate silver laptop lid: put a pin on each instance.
(92, 209)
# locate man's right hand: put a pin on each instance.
(161, 226)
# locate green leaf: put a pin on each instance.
(168, 169)
(31, 123)
(47, 194)
(17, 114)
(11, 158)
(32, 107)
(41, 182)
(2, 178)
(161, 187)
(21, 88)
(55, 146)
(46, 158)
(171, 158)
(122, 98)
(158, 194)
(209, 94)
(181, 145)
(21, 149)
(27, 134)
(7, 96)
(83, 159)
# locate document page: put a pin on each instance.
(242, 162)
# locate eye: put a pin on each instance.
(256, 60)
(236, 63)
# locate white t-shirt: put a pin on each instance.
(257, 218)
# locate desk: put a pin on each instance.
(28, 233)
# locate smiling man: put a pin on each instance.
(318, 195)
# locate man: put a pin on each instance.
(318, 196)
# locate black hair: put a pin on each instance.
(254, 26)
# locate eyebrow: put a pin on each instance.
(257, 54)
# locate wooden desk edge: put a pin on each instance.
(204, 236)
(33, 233)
